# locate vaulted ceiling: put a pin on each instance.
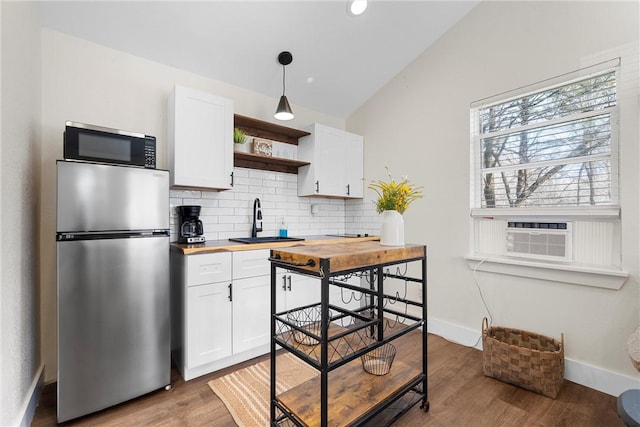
(339, 61)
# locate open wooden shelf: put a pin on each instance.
(271, 131)
(276, 164)
(267, 130)
(352, 393)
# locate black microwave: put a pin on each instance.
(105, 145)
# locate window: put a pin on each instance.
(549, 154)
(548, 149)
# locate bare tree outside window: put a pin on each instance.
(551, 147)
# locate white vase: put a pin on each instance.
(392, 231)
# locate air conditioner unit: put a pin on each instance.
(550, 241)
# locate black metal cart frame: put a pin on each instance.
(368, 318)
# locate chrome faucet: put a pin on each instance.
(257, 216)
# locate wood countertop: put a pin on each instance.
(228, 246)
(346, 255)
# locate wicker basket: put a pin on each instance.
(522, 358)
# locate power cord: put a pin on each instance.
(484, 302)
(477, 282)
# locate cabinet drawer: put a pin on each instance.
(208, 268)
(251, 263)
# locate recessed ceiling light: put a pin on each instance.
(356, 7)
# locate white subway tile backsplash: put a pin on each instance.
(229, 213)
(187, 193)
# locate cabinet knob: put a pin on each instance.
(284, 282)
(232, 179)
(348, 189)
(317, 186)
(230, 292)
(289, 282)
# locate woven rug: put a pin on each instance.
(246, 392)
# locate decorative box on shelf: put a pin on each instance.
(262, 147)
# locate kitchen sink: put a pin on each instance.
(266, 239)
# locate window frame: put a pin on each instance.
(568, 212)
(482, 255)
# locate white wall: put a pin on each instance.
(19, 185)
(419, 125)
(86, 82)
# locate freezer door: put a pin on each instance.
(95, 197)
(113, 322)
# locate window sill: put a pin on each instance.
(607, 212)
(579, 275)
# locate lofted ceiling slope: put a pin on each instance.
(339, 61)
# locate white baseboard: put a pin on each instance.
(194, 372)
(28, 409)
(597, 378)
(578, 372)
(455, 333)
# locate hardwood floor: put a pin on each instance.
(459, 395)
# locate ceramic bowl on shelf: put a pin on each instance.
(379, 360)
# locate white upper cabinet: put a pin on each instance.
(337, 163)
(354, 167)
(200, 139)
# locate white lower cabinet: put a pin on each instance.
(296, 290)
(251, 303)
(220, 309)
(208, 313)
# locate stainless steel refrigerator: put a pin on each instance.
(113, 285)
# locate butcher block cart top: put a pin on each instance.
(351, 397)
(344, 257)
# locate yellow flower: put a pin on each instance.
(395, 195)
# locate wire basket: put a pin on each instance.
(306, 321)
(379, 360)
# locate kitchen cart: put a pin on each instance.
(332, 338)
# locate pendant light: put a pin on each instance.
(284, 112)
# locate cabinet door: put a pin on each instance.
(330, 161)
(336, 168)
(354, 167)
(301, 290)
(200, 139)
(208, 315)
(251, 313)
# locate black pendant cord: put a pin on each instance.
(284, 70)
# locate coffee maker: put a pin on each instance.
(189, 226)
